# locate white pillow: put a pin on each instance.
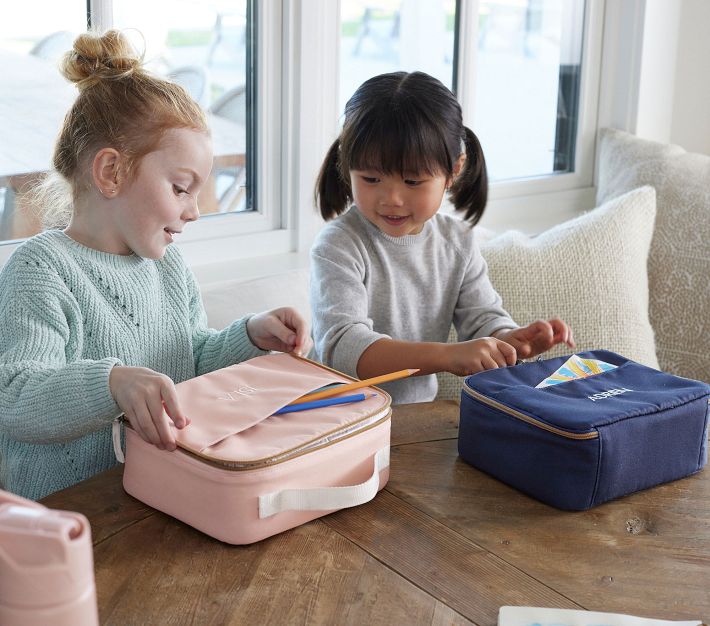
(679, 260)
(228, 300)
(590, 271)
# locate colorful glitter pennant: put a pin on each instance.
(576, 367)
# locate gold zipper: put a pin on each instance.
(287, 455)
(527, 418)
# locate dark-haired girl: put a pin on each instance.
(390, 273)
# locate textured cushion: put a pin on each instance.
(230, 299)
(590, 271)
(679, 260)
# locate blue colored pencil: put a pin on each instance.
(317, 404)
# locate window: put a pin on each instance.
(204, 46)
(527, 73)
(387, 36)
(524, 72)
(527, 85)
(29, 120)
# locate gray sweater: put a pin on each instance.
(366, 286)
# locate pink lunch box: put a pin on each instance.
(46, 566)
(240, 473)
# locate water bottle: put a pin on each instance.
(46, 566)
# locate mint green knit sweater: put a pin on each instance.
(68, 314)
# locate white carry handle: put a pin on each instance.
(325, 498)
(116, 437)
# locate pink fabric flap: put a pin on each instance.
(233, 399)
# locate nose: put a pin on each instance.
(391, 196)
(191, 214)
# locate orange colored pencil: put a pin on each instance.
(334, 391)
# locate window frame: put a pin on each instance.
(248, 234)
(298, 64)
(519, 202)
(297, 106)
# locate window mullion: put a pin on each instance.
(100, 14)
(467, 58)
(269, 85)
(310, 108)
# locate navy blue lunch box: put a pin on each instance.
(579, 443)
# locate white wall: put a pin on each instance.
(658, 66)
(690, 124)
(674, 73)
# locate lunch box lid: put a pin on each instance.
(232, 409)
(627, 391)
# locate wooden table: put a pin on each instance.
(442, 544)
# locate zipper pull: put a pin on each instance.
(116, 437)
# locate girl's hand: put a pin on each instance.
(280, 329)
(142, 394)
(469, 357)
(538, 337)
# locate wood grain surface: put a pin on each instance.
(443, 543)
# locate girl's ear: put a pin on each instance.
(458, 166)
(105, 171)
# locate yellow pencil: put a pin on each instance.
(334, 391)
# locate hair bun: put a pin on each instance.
(100, 57)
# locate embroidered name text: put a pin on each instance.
(244, 390)
(608, 394)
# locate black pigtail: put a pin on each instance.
(332, 194)
(470, 190)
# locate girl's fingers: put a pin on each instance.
(297, 335)
(499, 359)
(160, 422)
(303, 345)
(522, 348)
(560, 329)
(303, 339)
(508, 352)
(562, 332)
(539, 326)
(135, 424)
(545, 332)
(489, 363)
(476, 366)
(302, 331)
(497, 355)
(278, 330)
(143, 417)
(568, 338)
(172, 405)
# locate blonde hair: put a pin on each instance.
(120, 105)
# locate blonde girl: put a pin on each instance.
(103, 317)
